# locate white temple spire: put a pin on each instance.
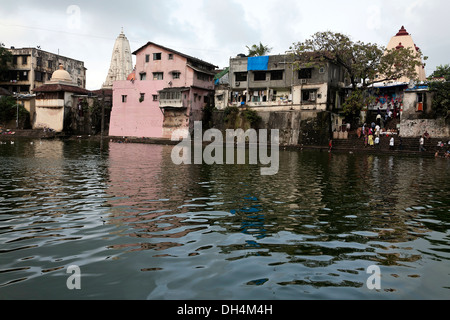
(121, 61)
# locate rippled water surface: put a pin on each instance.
(140, 227)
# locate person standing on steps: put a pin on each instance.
(377, 142)
(421, 142)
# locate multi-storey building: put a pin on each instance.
(167, 91)
(32, 67)
(278, 82)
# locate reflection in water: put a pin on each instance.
(141, 227)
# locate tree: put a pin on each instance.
(9, 108)
(364, 63)
(442, 71)
(258, 50)
(5, 58)
(441, 98)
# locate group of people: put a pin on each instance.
(372, 135)
(441, 149)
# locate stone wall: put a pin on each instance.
(437, 128)
(295, 127)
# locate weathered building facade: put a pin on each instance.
(167, 91)
(56, 101)
(278, 82)
(32, 67)
(417, 114)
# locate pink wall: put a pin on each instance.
(134, 118)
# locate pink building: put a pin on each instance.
(167, 91)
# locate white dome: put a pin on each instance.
(61, 75)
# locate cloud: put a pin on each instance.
(374, 17)
(214, 30)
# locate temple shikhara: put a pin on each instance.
(404, 40)
(121, 62)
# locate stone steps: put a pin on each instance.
(411, 145)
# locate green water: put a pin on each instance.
(140, 227)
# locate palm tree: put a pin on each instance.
(260, 50)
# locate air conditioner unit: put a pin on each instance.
(238, 84)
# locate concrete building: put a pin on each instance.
(416, 119)
(55, 100)
(32, 67)
(167, 91)
(277, 82)
(222, 89)
(121, 62)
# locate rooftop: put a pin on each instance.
(176, 52)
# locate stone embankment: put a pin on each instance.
(9, 134)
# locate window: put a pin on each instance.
(276, 75)
(155, 97)
(170, 56)
(176, 75)
(158, 76)
(309, 95)
(170, 95)
(421, 101)
(50, 64)
(14, 60)
(38, 61)
(24, 60)
(23, 76)
(147, 58)
(143, 76)
(260, 76)
(38, 76)
(124, 98)
(142, 98)
(157, 56)
(241, 76)
(305, 73)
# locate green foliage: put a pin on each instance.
(364, 63)
(230, 113)
(5, 58)
(234, 118)
(8, 110)
(442, 71)
(251, 116)
(258, 50)
(355, 102)
(208, 114)
(441, 98)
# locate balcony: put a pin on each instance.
(172, 98)
(171, 103)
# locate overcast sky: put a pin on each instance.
(215, 30)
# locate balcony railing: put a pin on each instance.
(171, 103)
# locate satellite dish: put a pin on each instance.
(411, 85)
